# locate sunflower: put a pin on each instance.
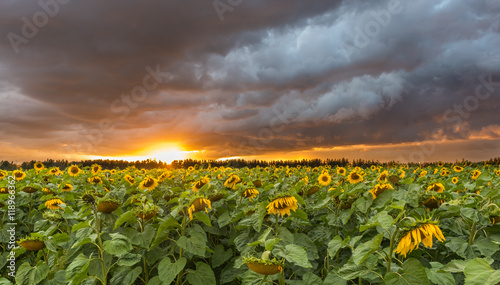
(373, 167)
(282, 205)
(402, 173)
(95, 180)
(475, 174)
(354, 177)
(162, 176)
(197, 186)
(341, 170)
(422, 233)
(250, 193)
(148, 183)
(4, 190)
(445, 172)
(458, 168)
(232, 181)
(55, 171)
(324, 179)
(497, 173)
(454, 180)
(67, 187)
(46, 190)
(383, 176)
(3, 174)
(38, 166)
(95, 168)
(73, 170)
(436, 187)
(423, 173)
(19, 174)
(379, 188)
(53, 204)
(129, 179)
(198, 205)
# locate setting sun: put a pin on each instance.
(168, 154)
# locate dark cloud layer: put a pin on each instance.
(260, 78)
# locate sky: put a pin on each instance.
(285, 79)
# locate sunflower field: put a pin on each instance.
(397, 224)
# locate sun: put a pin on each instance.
(168, 155)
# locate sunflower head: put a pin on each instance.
(436, 187)
(38, 166)
(324, 179)
(383, 176)
(129, 179)
(55, 171)
(354, 177)
(341, 170)
(3, 174)
(282, 205)
(250, 193)
(198, 185)
(73, 170)
(421, 231)
(475, 174)
(458, 168)
(95, 180)
(54, 203)
(66, 187)
(454, 180)
(379, 188)
(95, 168)
(89, 198)
(18, 175)
(148, 183)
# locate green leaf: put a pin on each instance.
(224, 220)
(125, 276)
(168, 270)
(460, 247)
(129, 259)
(4, 281)
(270, 243)
(131, 276)
(80, 225)
(220, 255)
(202, 216)
(31, 275)
(470, 214)
(334, 245)
(334, 279)
(486, 247)
(363, 250)
(441, 278)
(59, 278)
(311, 279)
(297, 255)
(412, 273)
(203, 275)
(454, 266)
(78, 267)
(478, 272)
(128, 216)
(118, 245)
(194, 244)
(363, 204)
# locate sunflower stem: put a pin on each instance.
(391, 249)
(472, 234)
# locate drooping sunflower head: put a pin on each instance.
(95, 180)
(422, 232)
(148, 183)
(129, 179)
(341, 170)
(38, 166)
(379, 188)
(436, 187)
(19, 175)
(88, 198)
(324, 179)
(354, 177)
(53, 203)
(232, 180)
(250, 193)
(199, 204)
(282, 205)
(73, 170)
(95, 168)
(198, 185)
(475, 174)
(66, 187)
(383, 176)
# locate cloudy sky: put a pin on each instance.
(385, 80)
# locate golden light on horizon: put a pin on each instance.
(168, 154)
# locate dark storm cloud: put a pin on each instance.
(286, 75)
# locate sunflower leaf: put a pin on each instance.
(478, 272)
(363, 250)
(412, 273)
